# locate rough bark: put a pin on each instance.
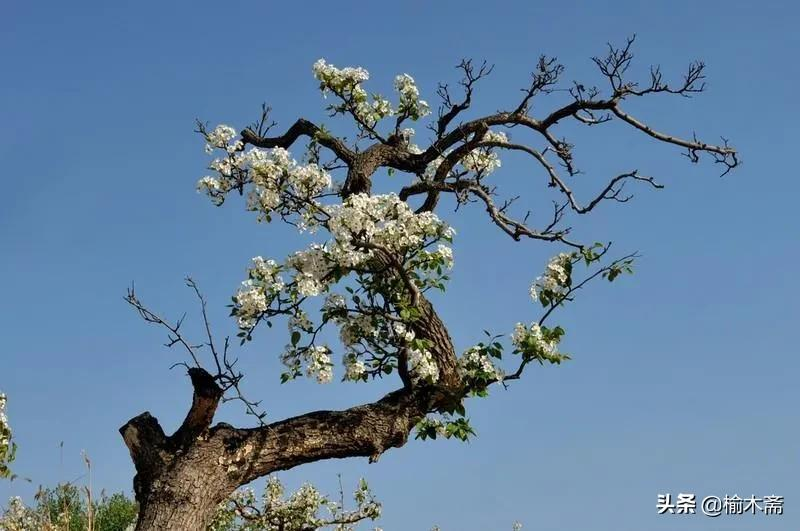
(180, 479)
(177, 483)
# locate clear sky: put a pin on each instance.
(684, 377)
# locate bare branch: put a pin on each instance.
(543, 79)
(174, 336)
(453, 109)
(301, 127)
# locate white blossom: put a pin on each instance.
(355, 327)
(531, 341)
(354, 368)
(6, 446)
(338, 79)
(410, 104)
(300, 321)
(346, 84)
(446, 254)
(422, 365)
(495, 136)
(219, 137)
(432, 168)
(475, 363)
(277, 182)
(555, 280)
(256, 293)
(431, 423)
(481, 160)
(357, 226)
(313, 266)
(383, 220)
(333, 303)
(18, 517)
(251, 301)
(318, 363)
(214, 188)
(404, 333)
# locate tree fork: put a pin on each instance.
(178, 481)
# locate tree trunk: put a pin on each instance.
(182, 478)
(183, 499)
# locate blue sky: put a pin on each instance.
(684, 377)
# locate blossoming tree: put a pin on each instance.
(375, 259)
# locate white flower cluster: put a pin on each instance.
(263, 284)
(18, 517)
(354, 327)
(555, 280)
(317, 360)
(220, 138)
(404, 334)
(382, 220)
(318, 363)
(433, 424)
(443, 254)
(276, 177)
(481, 160)
(531, 342)
(3, 419)
(361, 227)
(475, 364)
(410, 104)
(300, 321)
(279, 183)
(6, 446)
(296, 512)
(214, 188)
(355, 369)
(422, 365)
(358, 226)
(338, 80)
(251, 302)
(495, 136)
(372, 113)
(312, 267)
(484, 160)
(346, 83)
(299, 511)
(407, 134)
